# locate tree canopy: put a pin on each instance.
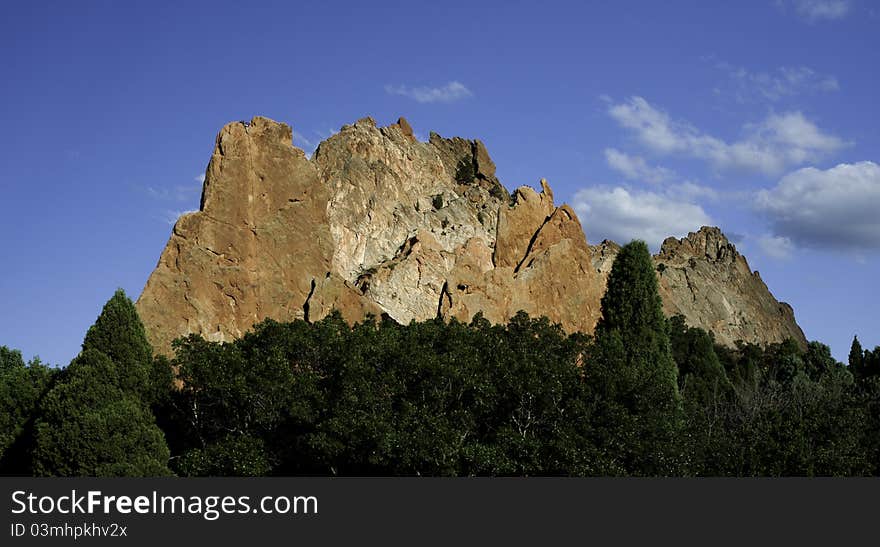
(646, 396)
(96, 420)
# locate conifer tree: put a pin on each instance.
(632, 374)
(856, 358)
(119, 334)
(96, 421)
(701, 377)
(89, 426)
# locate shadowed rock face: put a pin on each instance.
(378, 222)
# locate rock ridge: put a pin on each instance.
(378, 222)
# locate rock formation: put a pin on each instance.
(705, 279)
(378, 222)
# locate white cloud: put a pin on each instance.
(200, 178)
(654, 128)
(778, 247)
(622, 215)
(816, 10)
(635, 167)
(780, 141)
(690, 191)
(795, 135)
(836, 208)
(452, 91)
(773, 86)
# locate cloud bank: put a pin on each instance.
(835, 209)
(778, 142)
(635, 167)
(621, 215)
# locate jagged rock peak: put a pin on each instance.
(377, 222)
(708, 242)
(405, 127)
(703, 277)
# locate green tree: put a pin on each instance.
(856, 357)
(701, 377)
(705, 391)
(872, 363)
(231, 403)
(91, 426)
(818, 361)
(97, 420)
(120, 335)
(234, 455)
(632, 374)
(21, 388)
(864, 364)
(798, 413)
(539, 420)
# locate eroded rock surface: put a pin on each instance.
(378, 222)
(704, 278)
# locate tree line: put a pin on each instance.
(645, 395)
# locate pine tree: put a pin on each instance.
(119, 334)
(89, 426)
(632, 374)
(856, 358)
(632, 302)
(96, 420)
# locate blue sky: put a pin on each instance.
(651, 118)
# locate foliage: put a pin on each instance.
(89, 426)
(97, 420)
(647, 396)
(631, 375)
(21, 388)
(120, 335)
(381, 398)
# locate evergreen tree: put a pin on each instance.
(120, 335)
(96, 420)
(21, 388)
(856, 355)
(857, 359)
(701, 377)
(632, 374)
(90, 426)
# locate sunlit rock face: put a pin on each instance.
(378, 222)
